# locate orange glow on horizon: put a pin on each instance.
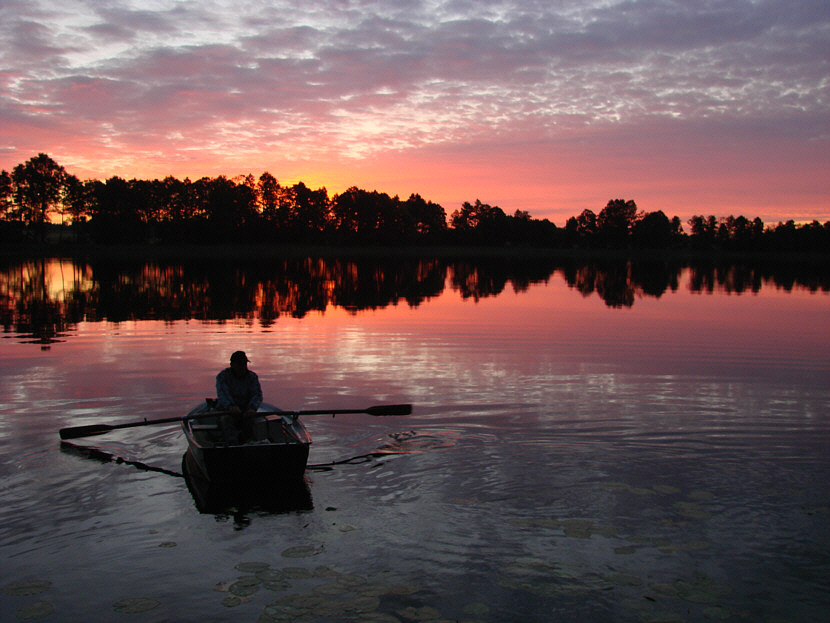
(552, 186)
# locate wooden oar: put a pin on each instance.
(379, 410)
(73, 432)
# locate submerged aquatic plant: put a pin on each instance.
(135, 605)
(29, 587)
(35, 610)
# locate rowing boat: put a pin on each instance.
(278, 450)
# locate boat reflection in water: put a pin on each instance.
(244, 497)
(223, 499)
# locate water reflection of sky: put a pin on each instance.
(514, 337)
(551, 434)
(679, 333)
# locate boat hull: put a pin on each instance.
(279, 450)
(245, 496)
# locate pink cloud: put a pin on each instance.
(684, 107)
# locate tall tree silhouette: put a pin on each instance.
(429, 218)
(7, 205)
(653, 231)
(615, 222)
(39, 185)
(480, 222)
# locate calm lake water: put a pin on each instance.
(588, 443)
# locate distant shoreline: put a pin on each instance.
(242, 252)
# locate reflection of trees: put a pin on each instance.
(619, 283)
(738, 278)
(730, 278)
(611, 281)
(262, 291)
(488, 277)
(43, 300)
(366, 284)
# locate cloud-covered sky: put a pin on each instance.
(551, 106)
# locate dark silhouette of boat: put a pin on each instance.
(278, 450)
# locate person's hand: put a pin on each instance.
(250, 413)
(234, 409)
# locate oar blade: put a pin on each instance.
(74, 432)
(390, 410)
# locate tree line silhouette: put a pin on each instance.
(44, 299)
(248, 209)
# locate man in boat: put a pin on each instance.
(238, 391)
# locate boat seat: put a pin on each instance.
(204, 426)
(260, 429)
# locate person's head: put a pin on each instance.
(239, 363)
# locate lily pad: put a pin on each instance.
(692, 546)
(424, 613)
(615, 486)
(351, 579)
(665, 589)
(701, 495)
(324, 571)
(134, 605)
(477, 609)
(699, 590)
(284, 612)
(30, 587)
(302, 551)
(269, 575)
(296, 573)
(703, 584)
(402, 589)
(36, 610)
(330, 589)
(691, 510)
(717, 612)
(578, 528)
(606, 531)
(244, 586)
(373, 590)
(664, 617)
(697, 596)
(329, 608)
(625, 550)
(379, 617)
(362, 604)
(273, 579)
(625, 579)
(222, 587)
(306, 601)
(252, 567)
(525, 565)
